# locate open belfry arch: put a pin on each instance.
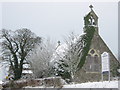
(91, 18)
(91, 71)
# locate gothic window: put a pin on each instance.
(92, 64)
(91, 21)
(92, 51)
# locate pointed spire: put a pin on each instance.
(91, 7)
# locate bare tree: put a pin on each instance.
(40, 59)
(18, 44)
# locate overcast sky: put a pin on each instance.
(56, 20)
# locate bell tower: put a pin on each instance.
(91, 70)
(91, 19)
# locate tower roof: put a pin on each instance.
(92, 13)
(91, 19)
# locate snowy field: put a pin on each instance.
(105, 84)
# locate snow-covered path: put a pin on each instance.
(105, 84)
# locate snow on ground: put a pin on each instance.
(4, 67)
(105, 84)
(1, 82)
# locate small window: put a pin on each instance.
(92, 51)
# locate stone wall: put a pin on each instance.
(56, 82)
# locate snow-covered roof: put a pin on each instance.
(118, 70)
(59, 53)
(1, 82)
(26, 65)
(27, 72)
(61, 49)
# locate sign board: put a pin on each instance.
(105, 62)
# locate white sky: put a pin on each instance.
(56, 20)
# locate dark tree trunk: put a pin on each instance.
(18, 67)
(17, 73)
(18, 70)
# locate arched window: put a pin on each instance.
(92, 63)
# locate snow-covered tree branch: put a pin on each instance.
(16, 46)
(75, 53)
(40, 59)
(67, 57)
